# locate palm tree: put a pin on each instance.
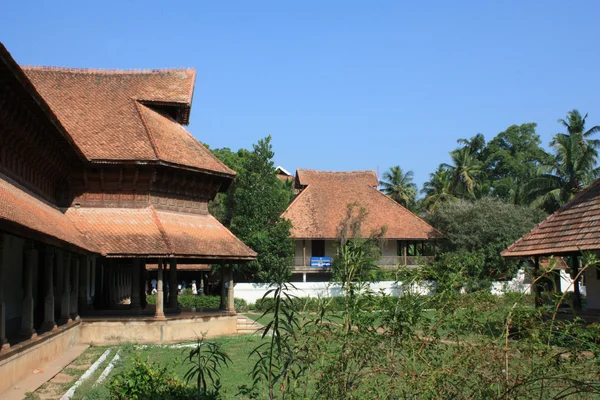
(573, 166)
(399, 186)
(438, 189)
(465, 169)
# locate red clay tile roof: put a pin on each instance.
(320, 208)
(183, 267)
(574, 227)
(148, 232)
(306, 177)
(109, 114)
(20, 208)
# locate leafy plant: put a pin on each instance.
(206, 361)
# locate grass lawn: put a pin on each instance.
(237, 374)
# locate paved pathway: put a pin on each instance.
(43, 374)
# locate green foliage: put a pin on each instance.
(147, 380)
(512, 159)
(251, 209)
(572, 168)
(202, 302)
(206, 361)
(399, 186)
(483, 228)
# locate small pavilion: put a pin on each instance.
(571, 230)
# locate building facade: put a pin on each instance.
(322, 205)
(99, 178)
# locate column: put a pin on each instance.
(135, 287)
(49, 323)
(201, 287)
(536, 283)
(304, 277)
(74, 296)
(159, 314)
(92, 291)
(84, 274)
(30, 264)
(223, 305)
(576, 290)
(173, 284)
(405, 251)
(65, 316)
(3, 340)
(230, 298)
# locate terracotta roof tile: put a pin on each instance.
(108, 114)
(574, 227)
(153, 233)
(320, 208)
(20, 207)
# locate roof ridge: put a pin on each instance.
(406, 209)
(337, 172)
(107, 71)
(146, 128)
(161, 229)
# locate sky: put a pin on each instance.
(340, 85)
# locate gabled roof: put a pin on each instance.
(320, 208)
(573, 227)
(147, 232)
(127, 116)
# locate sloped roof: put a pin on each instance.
(306, 177)
(320, 208)
(36, 218)
(117, 116)
(573, 227)
(147, 232)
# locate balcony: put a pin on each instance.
(303, 264)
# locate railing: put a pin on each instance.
(303, 263)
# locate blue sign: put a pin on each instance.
(320, 262)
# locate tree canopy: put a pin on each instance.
(251, 209)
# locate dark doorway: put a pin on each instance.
(318, 248)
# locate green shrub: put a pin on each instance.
(147, 380)
(202, 302)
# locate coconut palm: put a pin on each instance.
(399, 186)
(438, 189)
(573, 166)
(465, 171)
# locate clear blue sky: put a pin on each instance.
(341, 85)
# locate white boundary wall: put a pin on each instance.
(251, 292)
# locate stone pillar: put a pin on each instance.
(30, 264)
(576, 289)
(304, 277)
(84, 273)
(230, 297)
(135, 287)
(49, 323)
(65, 316)
(536, 283)
(173, 284)
(159, 314)
(223, 305)
(74, 296)
(201, 284)
(3, 340)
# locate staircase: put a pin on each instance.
(247, 326)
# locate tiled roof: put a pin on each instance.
(114, 116)
(28, 212)
(146, 232)
(182, 267)
(574, 227)
(320, 208)
(306, 177)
